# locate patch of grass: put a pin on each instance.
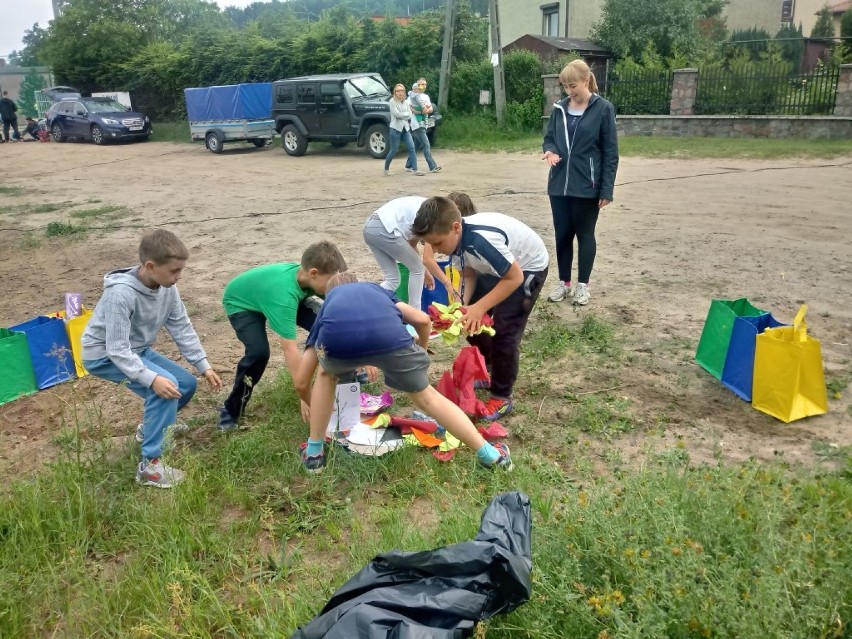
(48, 207)
(57, 229)
(553, 335)
(249, 545)
(109, 211)
(481, 133)
(745, 148)
(601, 415)
(29, 240)
(171, 132)
(11, 190)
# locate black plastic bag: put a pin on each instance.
(436, 594)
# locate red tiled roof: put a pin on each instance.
(840, 7)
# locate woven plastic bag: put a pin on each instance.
(17, 376)
(739, 363)
(789, 382)
(49, 348)
(716, 335)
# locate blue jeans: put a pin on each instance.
(159, 413)
(395, 137)
(420, 138)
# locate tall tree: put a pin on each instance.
(33, 82)
(846, 32)
(627, 27)
(824, 25)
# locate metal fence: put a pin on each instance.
(767, 91)
(757, 90)
(638, 92)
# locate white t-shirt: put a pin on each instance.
(398, 215)
(491, 242)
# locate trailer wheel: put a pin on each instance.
(214, 141)
(294, 143)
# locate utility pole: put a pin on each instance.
(446, 55)
(497, 61)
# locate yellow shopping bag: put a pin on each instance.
(789, 382)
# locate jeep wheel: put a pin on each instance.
(294, 143)
(214, 141)
(56, 132)
(378, 142)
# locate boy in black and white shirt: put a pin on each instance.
(504, 265)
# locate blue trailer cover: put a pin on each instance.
(233, 102)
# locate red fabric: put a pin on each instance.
(444, 455)
(447, 388)
(405, 425)
(495, 430)
(468, 368)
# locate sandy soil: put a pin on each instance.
(680, 233)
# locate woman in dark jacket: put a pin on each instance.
(582, 150)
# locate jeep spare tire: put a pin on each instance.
(294, 143)
(378, 141)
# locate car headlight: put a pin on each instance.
(111, 122)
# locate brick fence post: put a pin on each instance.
(684, 84)
(552, 92)
(843, 105)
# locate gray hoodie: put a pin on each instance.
(127, 319)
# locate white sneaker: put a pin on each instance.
(177, 429)
(582, 295)
(156, 473)
(387, 173)
(560, 292)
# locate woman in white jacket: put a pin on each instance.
(400, 128)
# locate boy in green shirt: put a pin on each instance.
(279, 294)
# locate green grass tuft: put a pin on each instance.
(56, 229)
(11, 190)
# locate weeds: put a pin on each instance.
(29, 240)
(110, 211)
(11, 190)
(58, 229)
(553, 336)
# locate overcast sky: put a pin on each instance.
(16, 16)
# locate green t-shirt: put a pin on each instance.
(271, 290)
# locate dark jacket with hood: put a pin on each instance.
(8, 110)
(590, 158)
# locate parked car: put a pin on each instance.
(335, 108)
(98, 119)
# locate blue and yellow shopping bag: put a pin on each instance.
(789, 382)
(739, 363)
(50, 350)
(716, 336)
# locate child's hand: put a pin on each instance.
(306, 413)
(472, 319)
(429, 281)
(213, 379)
(164, 388)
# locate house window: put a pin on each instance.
(550, 20)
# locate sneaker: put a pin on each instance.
(388, 173)
(176, 429)
(313, 464)
(435, 170)
(409, 169)
(582, 295)
(420, 173)
(560, 292)
(504, 462)
(495, 408)
(155, 473)
(226, 422)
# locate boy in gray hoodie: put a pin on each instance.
(138, 302)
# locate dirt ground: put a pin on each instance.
(680, 233)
